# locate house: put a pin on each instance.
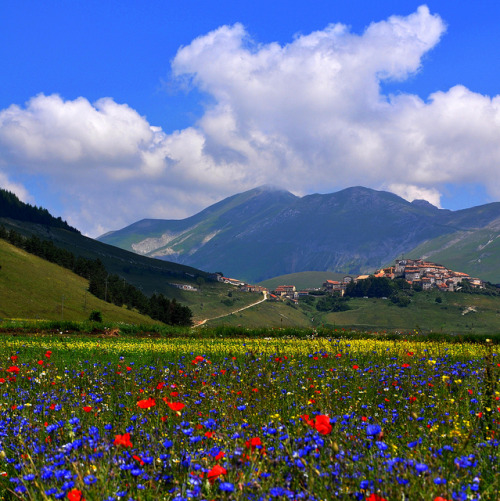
(412, 273)
(361, 277)
(333, 285)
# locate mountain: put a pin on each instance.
(266, 232)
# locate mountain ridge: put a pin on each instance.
(267, 232)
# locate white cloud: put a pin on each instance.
(411, 192)
(309, 116)
(18, 189)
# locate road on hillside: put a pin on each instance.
(203, 322)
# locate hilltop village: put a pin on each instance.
(418, 273)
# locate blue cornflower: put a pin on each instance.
(440, 481)
(421, 467)
(226, 486)
(373, 429)
(89, 480)
(277, 491)
(382, 446)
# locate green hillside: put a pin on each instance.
(456, 313)
(476, 252)
(32, 288)
(303, 279)
(267, 314)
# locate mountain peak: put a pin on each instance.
(419, 202)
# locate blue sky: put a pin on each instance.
(114, 111)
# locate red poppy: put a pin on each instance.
(146, 404)
(197, 359)
(216, 472)
(209, 434)
(137, 458)
(123, 440)
(355, 367)
(176, 406)
(220, 455)
(13, 358)
(375, 497)
(75, 495)
(322, 424)
(253, 443)
(48, 353)
(305, 418)
(40, 362)
(160, 385)
(87, 408)
(13, 369)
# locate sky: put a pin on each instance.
(114, 111)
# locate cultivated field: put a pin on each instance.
(131, 418)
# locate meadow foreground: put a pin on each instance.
(316, 419)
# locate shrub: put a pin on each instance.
(95, 316)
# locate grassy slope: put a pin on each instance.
(303, 280)
(207, 303)
(266, 314)
(148, 274)
(423, 314)
(32, 288)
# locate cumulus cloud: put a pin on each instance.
(309, 115)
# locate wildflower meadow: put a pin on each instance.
(253, 419)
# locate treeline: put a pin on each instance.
(12, 207)
(110, 288)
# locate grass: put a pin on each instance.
(216, 299)
(331, 418)
(33, 288)
(267, 314)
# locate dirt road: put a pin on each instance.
(203, 322)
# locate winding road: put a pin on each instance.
(203, 322)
